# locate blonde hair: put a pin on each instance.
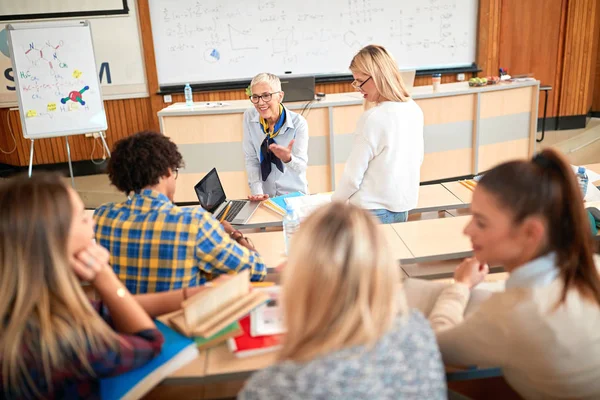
(46, 317)
(376, 62)
(340, 285)
(265, 77)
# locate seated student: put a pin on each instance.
(275, 142)
(154, 245)
(544, 330)
(54, 342)
(349, 332)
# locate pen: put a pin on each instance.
(466, 185)
(225, 213)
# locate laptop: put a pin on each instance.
(212, 198)
(298, 88)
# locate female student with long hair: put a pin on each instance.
(544, 330)
(349, 333)
(54, 342)
(382, 172)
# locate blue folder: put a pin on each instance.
(280, 200)
(117, 387)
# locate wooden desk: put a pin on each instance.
(435, 239)
(271, 246)
(222, 365)
(431, 198)
(465, 133)
(192, 372)
(465, 195)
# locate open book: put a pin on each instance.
(213, 309)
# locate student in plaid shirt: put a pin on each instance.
(155, 245)
(54, 342)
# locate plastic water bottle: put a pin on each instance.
(291, 223)
(189, 99)
(583, 180)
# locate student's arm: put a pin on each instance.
(356, 166)
(91, 264)
(252, 159)
(216, 251)
(299, 159)
(156, 304)
(481, 339)
(450, 306)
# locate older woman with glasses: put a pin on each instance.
(275, 142)
(382, 173)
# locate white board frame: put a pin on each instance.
(45, 25)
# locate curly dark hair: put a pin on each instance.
(140, 160)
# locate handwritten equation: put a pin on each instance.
(272, 35)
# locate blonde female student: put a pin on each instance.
(382, 172)
(54, 342)
(544, 330)
(349, 332)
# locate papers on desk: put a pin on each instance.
(305, 205)
(268, 318)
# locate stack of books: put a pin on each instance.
(278, 204)
(262, 330)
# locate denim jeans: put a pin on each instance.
(390, 217)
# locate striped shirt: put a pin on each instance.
(156, 246)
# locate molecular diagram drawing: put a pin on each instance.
(75, 96)
(47, 54)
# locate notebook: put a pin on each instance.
(268, 318)
(246, 346)
(177, 351)
(220, 337)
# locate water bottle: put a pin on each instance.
(291, 223)
(189, 99)
(583, 180)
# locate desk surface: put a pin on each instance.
(435, 239)
(435, 197)
(271, 245)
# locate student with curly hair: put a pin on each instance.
(155, 245)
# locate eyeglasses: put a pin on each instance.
(255, 98)
(176, 172)
(359, 86)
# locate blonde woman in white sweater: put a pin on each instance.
(382, 173)
(544, 330)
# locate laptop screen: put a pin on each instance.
(210, 191)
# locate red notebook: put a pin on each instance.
(245, 345)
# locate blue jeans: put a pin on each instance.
(390, 217)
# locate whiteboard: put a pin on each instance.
(224, 40)
(56, 79)
(125, 61)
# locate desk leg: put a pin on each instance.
(31, 158)
(70, 165)
(544, 120)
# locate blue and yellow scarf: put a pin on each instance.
(266, 156)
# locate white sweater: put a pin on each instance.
(383, 169)
(544, 352)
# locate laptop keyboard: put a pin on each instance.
(236, 206)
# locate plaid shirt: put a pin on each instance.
(75, 382)
(156, 246)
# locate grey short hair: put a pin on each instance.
(266, 77)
